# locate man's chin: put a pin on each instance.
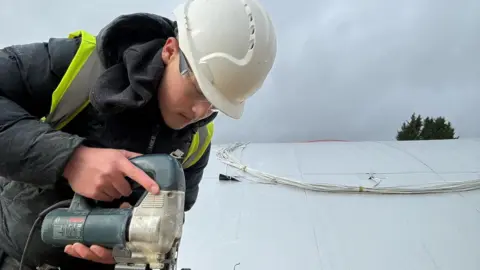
(176, 124)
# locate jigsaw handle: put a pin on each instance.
(162, 168)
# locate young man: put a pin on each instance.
(74, 110)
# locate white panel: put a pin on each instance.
(281, 159)
(283, 228)
(444, 155)
(354, 157)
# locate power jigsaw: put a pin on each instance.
(146, 236)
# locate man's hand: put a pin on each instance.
(100, 173)
(94, 253)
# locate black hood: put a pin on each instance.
(130, 50)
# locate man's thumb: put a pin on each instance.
(129, 154)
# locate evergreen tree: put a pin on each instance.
(411, 129)
(427, 129)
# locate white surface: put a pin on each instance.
(278, 227)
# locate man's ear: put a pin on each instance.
(170, 50)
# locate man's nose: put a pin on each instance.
(202, 109)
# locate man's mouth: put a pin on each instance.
(188, 119)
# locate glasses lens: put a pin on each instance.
(185, 70)
(184, 66)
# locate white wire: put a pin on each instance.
(225, 155)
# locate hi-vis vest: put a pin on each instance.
(72, 95)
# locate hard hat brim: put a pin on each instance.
(213, 95)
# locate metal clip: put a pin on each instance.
(47, 267)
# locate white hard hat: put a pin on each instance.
(230, 46)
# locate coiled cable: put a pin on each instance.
(226, 156)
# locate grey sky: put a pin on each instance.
(340, 64)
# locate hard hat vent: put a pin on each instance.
(252, 26)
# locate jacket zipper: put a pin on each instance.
(153, 138)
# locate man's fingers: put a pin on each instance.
(125, 205)
(122, 187)
(103, 196)
(94, 253)
(103, 253)
(81, 251)
(129, 154)
(84, 252)
(71, 251)
(112, 191)
(139, 176)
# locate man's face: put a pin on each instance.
(180, 100)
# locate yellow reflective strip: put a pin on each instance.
(193, 147)
(203, 147)
(84, 50)
(71, 116)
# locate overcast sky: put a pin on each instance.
(345, 69)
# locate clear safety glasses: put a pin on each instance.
(187, 72)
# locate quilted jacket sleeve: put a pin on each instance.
(31, 151)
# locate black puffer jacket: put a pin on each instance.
(124, 115)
